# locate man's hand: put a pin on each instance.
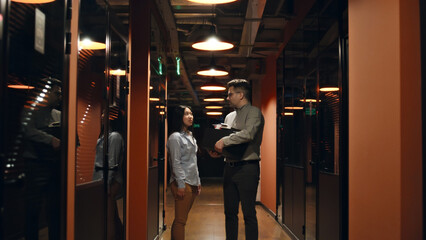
(56, 143)
(214, 154)
(219, 146)
(199, 190)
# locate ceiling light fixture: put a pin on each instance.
(33, 1)
(213, 70)
(214, 113)
(214, 98)
(19, 86)
(117, 72)
(212, 43)
(213, 85)
(212, 1)
(329, 89)
(309, 100)
(214, 107)
(91, 45)
(293, 108)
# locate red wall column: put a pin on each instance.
(268, 151)
(385, 153)
(138, 113)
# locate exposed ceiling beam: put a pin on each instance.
(251, 26)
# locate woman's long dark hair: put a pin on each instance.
(175, 118)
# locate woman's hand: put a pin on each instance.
(180, 193)
(199, 190)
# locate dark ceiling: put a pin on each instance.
(254, 27)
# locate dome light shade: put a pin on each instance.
(214, 107)
(33, 1)
(212, 72)
(293, 108)
(212, 1)
(212, 44)
(19, 86)
(89, 44)
(117, 72)
(329, 89)
(214, 98)
(214, 113)
(213, 85)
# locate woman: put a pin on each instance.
(184, 178)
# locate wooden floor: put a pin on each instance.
(206, 220)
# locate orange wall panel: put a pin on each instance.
(268, 183)
(138, 124)
(377, 120)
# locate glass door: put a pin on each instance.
(33, 127)
(101, 125)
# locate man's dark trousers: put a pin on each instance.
(240, 184)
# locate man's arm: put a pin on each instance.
(252, 126)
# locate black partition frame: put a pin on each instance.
(343, 218)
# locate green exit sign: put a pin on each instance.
(196, 125)
(310, 111)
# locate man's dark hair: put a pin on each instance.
(242, 85)
(175, 118)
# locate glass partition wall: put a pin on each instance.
(157, 117)
(33, 126)
(312, 112)
(101, 122)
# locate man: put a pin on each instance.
(41, 127)
(241, 176)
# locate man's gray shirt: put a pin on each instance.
(249, 120)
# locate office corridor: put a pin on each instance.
(206, 220)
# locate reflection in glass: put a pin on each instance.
(33, 173)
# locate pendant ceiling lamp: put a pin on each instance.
(212, 1)
(212, 43)
(329, 89)
(211, 113)
(33, 1)
(213, 70)
(213, 107)
(214, 98)
(213, 85)
(89, 44)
